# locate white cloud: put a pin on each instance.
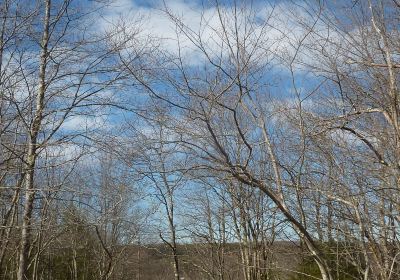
(204, 24)
(83, 122)
(278, 30)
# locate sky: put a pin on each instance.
(203, 20)
(285, 31)
(147, 20)
(281, 36)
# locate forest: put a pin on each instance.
(199, 140)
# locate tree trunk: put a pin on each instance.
(31, 154)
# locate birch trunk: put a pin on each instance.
(31, 153)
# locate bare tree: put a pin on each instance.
(55, 81)
(222, 116)
(160, 168)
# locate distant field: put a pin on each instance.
(198, 262)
